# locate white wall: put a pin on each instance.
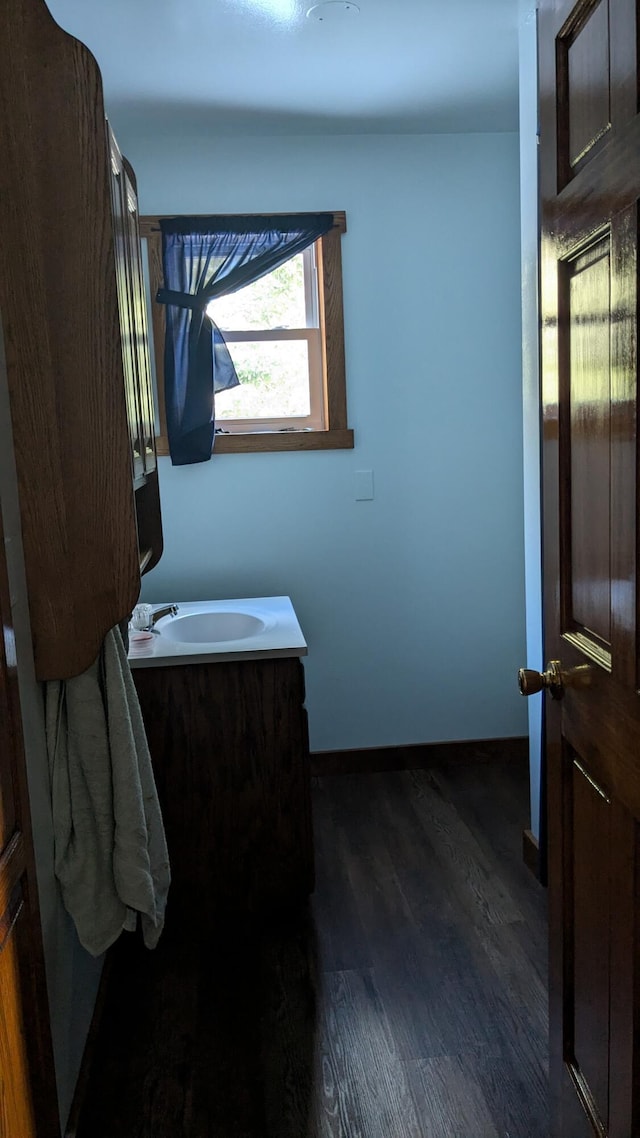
(413, 603)
(531, 384)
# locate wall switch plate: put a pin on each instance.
(364, 485)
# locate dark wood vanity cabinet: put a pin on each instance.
(73, 329)
(230, 751)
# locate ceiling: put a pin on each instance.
(262, 66)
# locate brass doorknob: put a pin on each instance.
(531, 682)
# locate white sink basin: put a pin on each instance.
(253, 628)
(210, 627)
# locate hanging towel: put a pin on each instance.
(110, 850)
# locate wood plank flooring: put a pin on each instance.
(408, 1001)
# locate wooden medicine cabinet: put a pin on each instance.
(73, 311)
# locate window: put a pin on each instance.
(272, 330)
(285, 334)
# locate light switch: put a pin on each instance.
(364, 485)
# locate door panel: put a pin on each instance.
(588, 842)
(595, 59)
(590, 185)
(584, 85)
(587, 56)
(586, 493)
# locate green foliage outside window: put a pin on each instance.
(273, 374)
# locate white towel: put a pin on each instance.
(110, 850)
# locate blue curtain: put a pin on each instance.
(203, 258)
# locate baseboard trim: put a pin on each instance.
(416, 756)
(531, 852)
(88, 1055)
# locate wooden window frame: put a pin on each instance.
(335, 435)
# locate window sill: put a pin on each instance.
(265, 441)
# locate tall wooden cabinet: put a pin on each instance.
(73, 310)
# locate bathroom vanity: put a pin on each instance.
(228, 736)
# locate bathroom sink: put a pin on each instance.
(209, 627)
(250, 628)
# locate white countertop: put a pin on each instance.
(280, 636)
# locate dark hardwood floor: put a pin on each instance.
(408, 1001)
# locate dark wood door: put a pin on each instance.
(27, 1091)
(590, 185)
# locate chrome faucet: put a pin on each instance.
(143, 617)
(166, 610)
